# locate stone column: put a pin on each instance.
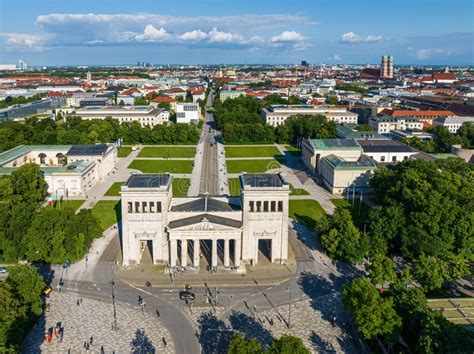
(226, 253)
(214, 253)
(173, 252)
(196, 253)
(237, 252)
(184, 253)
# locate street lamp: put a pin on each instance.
(114, 325)
(289, 306)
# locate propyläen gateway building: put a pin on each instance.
(230, 230)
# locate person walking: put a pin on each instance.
(157, 313)
(164, 342)
(91, 340)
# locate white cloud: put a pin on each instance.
(425, 53)
(288, 36)
(336, 56)
(151, 33)
(219, 36)
(351, 37)
(196, 35)
(24, 41)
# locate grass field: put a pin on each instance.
(297, 191)
(73, 204)
(252, 151)
(234, 186)
(251, 166)
(293, 150)
(162, 166)
(107, 211)
(306, 211)
(181, 187)
(114, 190)
(359, 211)
(124, 151)
(167, 151)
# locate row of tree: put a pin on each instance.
(20, 306)
(240, 122)
(29, 231)
(10, 101)
(78, 131)
(286, 344)
(423, 217)
(443, 139)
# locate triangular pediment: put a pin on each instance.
(205, 222)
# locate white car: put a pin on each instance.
(2, 270)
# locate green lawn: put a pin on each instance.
(108, 212)
(73, 204)
(297, 191)
(114, 190)
(252, 151)
(162, 166)
(359, 211)
(124, 151)
(181, 187)
(251, 166)
(234, 186)
(306, 211)
(167, 151)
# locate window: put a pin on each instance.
(130, 207)
(265, 206)
(382, 158)
(280, 206)
(405, 157)
(144, 207)
(273, 206)
(252, 206)
(158, 207)
(137, 207)
(152, 207)
(259, 206)
(394, 158)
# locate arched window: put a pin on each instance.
(42, 158)
(61, 158)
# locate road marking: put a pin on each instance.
(146, 292)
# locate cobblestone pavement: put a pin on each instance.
(137, 332)
(319, 322)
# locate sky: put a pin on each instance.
(120, 32)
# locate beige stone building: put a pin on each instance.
(227, 231)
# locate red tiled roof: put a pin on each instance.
(424, 114)
(444, 76)
(163, 99)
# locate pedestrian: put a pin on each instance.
(81, 300)
(102, 350)
(85, 345)
(164, 342)
(157, 313)
(78, 303)
(91, 340)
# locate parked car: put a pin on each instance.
(3, 270)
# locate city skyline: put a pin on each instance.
(105, 33)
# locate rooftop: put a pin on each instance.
(335, 144)
(262, 180)
(148, 180)
(82, 150)
(336, 162)
(204, 204)
(384, 146)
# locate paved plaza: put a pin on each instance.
(137, 332)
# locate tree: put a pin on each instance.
(288, 344)
(332, 100)
(141, 101)
(20, 305)
(341, 238)
(241, 345)
(374, 316)
(381, 270)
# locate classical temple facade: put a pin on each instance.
(226, 231)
